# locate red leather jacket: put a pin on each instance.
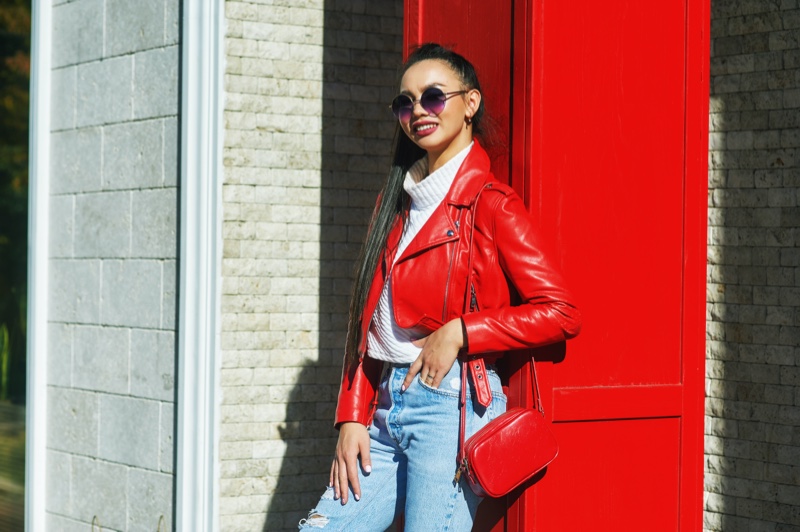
(514, 298)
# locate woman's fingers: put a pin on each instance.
(352, 476)
(343, 489)
(366, 462)
(336, 488)
(353, 441)
(439, 352)
(436, 380)
(415, 368)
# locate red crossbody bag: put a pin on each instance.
(509, 450)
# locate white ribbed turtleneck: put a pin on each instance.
(385, 340)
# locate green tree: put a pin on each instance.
(15, 24)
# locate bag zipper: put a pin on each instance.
(473, 299)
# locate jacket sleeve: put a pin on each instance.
(546, 313)
(358, 392)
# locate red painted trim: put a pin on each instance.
(412, 25)
(695, 251)
(623, 402)
(519, 177)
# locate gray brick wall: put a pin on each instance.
(113, 249)
(752, 474)
(307, 142)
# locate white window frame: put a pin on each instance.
(38, 262)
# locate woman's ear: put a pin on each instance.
(473, 102)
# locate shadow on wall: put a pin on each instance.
(362, 49)
(310, 440)
(752, 469)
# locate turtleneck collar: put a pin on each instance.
(428, 191)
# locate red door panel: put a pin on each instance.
(629, 477)
(610, 110)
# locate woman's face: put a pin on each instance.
(445, 133)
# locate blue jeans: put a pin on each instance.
(413, 446)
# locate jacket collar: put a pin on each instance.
(474, 173)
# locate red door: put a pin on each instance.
(604, 109)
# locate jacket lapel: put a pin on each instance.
(441, 226)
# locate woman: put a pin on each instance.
(448, 250)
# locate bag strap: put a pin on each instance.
(461, 463)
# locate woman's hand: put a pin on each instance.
(439, 352)
(353, 441)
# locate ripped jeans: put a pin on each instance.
(413, 445)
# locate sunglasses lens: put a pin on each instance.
(433, 100)
(402, 107)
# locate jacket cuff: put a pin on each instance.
(465, 346)
(358, 392)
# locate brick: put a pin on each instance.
(153, 365)
(62, 226)
(235, 450)
(781, 316)
(166, 437)
(105, 93)
(780, 355)
(78, 32)
(127, 431)
(784, 40)
(103, 492)
(73, 421)
(133, 26)
(59, 483)
(131, 289)
(101, 359)
(59, 357)
(782, 395)
(102, 225)
(171, 152)
(132, 155)
(155, 227)
(151, 497)
(75, 161)
(168, 293)
(791, 99)
(155, 82)
(64, 98)
(172, 24)
(75, 291)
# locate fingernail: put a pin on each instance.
(357, 497)
(402, 388)
(368, 469)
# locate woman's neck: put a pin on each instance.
(438, 159)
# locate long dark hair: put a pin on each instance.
(393, 199)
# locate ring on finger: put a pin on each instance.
(429, 378)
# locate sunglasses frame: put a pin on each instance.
(430, 106)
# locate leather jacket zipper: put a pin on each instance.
(449, 271)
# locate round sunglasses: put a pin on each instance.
(432, 100)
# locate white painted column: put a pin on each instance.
(197, 473)
(38, 239)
